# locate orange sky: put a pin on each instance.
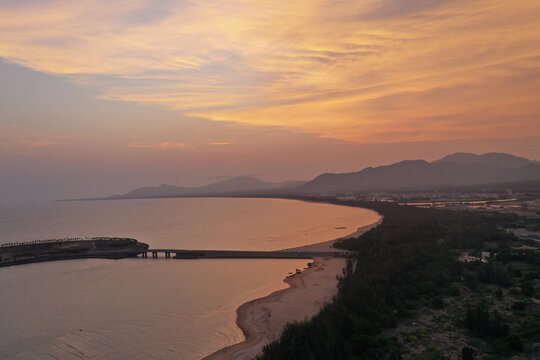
(220, 77)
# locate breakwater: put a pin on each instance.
(64, 249)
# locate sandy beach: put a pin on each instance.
(262, 320)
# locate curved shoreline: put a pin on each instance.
(261, 320)
(249, 329)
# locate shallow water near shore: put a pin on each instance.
(151, 308)
(129, 309)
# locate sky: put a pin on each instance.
(98, 97)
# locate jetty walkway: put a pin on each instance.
(121, 248)
(234, 254)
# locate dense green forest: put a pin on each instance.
(409, 263)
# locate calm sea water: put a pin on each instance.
(148, 308)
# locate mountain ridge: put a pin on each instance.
(502, 159)
(453, 169)
(235, 184)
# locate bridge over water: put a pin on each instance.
(234, 254)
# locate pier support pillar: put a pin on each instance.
(154, 254)
(167, 255)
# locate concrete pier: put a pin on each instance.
(239, 254)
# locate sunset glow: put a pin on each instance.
(365, 72)
(361, 71)
(176, 174)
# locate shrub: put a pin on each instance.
(515, 343)
(519, 305)
(437, 303)
(467, 353)
(453, 290)
(527, 289)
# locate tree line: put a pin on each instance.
(408, 260)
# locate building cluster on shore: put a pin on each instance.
(522, 200)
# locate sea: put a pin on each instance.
(151, 308)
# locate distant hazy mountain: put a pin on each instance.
(501, 159)
(455, 169)
(234, 185)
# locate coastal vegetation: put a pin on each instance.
(427, 284)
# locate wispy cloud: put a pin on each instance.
(351, 70)
(227, 177)
(220, 143)
(26, 146)
(165, 145)
(39, 143)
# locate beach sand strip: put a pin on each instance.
(262, 320)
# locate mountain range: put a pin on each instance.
(236, 184)
(452, 170)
